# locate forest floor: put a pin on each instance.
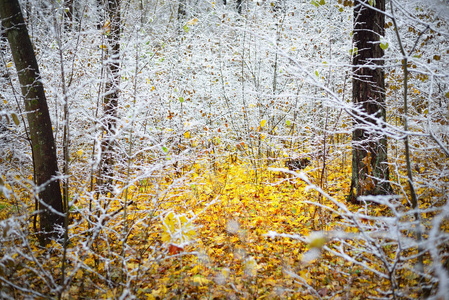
(236, 259)
(226, 248)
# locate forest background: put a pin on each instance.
(205, 150)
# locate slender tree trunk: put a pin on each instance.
(41, 134)
(110, 99)
(425, 289)
(370, 172)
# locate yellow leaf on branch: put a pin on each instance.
(193, 21)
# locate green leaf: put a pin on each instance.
(384, 46)
(15, 119)
(318, 242)
(317, 74)
(186, 28)
(317, 4)
(181, 99)
(353, 51)
(288, 122)
(372, 2)
(165, 149)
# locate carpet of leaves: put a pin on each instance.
(229, 254)
(235, 259)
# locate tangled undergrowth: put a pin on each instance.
(215, 235)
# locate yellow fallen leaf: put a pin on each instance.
(200, 280)
(195, 270)
(150, 297)
(251, 266)
(178, 229)
(160, 292)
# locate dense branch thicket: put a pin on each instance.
(223, 113)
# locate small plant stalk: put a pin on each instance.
(414, 199)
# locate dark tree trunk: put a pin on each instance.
(41, 134)
(110, 100)
(370, 172)
(239, 6)
(181, 9)
(68, 13)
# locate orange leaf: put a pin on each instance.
(172, 249)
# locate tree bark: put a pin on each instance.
(68, 13)
(111, 95)
(239, 6)
(41, 133)
(181, 9)
(370, 172)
